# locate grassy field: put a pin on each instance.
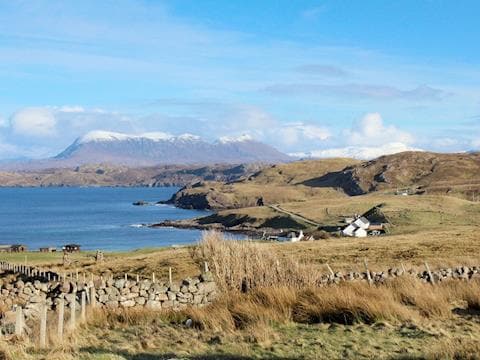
(282, 316)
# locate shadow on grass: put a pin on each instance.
(169, 356)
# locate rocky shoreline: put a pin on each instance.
(193, 224)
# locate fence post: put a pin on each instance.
(61, 314)
(126, 276)
(206, 266)
(138, 278)
(82, 303)
(369, 277)
(153, 277)
(429, 273)
(43, 326)
(73, 306)
(93, 298)
(19, 321)
(330, 270)
(170, 275)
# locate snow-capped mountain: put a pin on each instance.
(163, 148)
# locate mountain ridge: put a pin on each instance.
(153, 149)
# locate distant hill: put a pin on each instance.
(116, 175)
(159, 148)
(419, 172)
(414, 172)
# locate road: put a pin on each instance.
(293, 215)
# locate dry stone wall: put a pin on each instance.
(32, 292)
(458, 273)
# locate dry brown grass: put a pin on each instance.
(242, 265)
(456, 349)
(286, 290)
(428, 300)
(348, 304)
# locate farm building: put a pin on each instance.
(357, 228)
(13, 248)
(70, 248)
(48, 249)
(373, 222)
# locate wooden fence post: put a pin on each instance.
(170, 276)
(369, 277)
(429, 274)
(138, 278)
(73, 306)
(153, 277)
(330, 270)
(19, 321)
(43, 326)
(93, 298)
(83, 303)
(61, 314)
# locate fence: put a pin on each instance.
(43, 313)
(35, 297)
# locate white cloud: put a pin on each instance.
(35, 121)
(292, 134)
(71, 109)
(358, 152)
(370, 130)
(366, 139)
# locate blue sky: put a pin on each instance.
(329, 78)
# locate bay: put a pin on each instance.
(95, 218)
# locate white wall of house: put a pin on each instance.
(360, 232)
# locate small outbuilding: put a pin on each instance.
(48, 249)
(71, 248)
(13, 248)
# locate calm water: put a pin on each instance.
(96, 218)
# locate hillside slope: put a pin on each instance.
(421, 172)
(274, 184)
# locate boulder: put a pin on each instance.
(153, 304)
(128, 303)
(120, 283)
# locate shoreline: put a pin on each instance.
(191, 224)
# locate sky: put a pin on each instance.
(321, 78)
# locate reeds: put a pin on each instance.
(243, 265)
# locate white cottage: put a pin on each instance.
(357, 228)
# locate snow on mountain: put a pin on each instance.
(162, 148)
(100, 135)
(241, 138)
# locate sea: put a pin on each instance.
(102, 218)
